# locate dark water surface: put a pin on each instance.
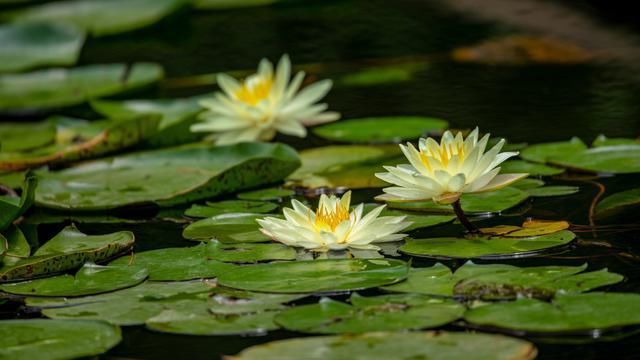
(534, 103)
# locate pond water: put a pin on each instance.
(532, 103)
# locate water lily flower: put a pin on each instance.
(263, 104)
(332, 226)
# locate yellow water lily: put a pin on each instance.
(443, 171)
(263, 104)
(333, 226)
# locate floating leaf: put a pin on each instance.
(620, 159)
(230, 206)
(382, 74)
(412, 345)
(37, 339)
(558, 190)
(266, 194)
(68, 250)
(90, 279)
(379, 313)
(618, 202)
(166, 177)
(488, 202)
(131, 306)
(351, 166)
(231, 301)
(16, 137)
(174, 264)
(227, 228)
(230, 4)
(248, 253)
(527, 183)
(485, 246)
(533, 169)
(571, 312)
(435, 280)
(529, 228)
(11, 208)
(602, 140)
(177, 117)
(100, 17)
(380, 129)
(315, 276)
(78, 139)
(13, 246)
(541, 153)
(29, 45)
(60, 87)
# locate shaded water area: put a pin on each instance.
(529, 103)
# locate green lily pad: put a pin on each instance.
(533, 169)
(230, 206)
(38, 339)
(351, 166)
(620, 159)
(602, 140)
(29, 45)
(383, 74)
(100, 17)
(485, 246)
(177, 117)
(68, 250)
(13, 246)
(380, 129)
(571, 312)
(315, 276)
(58, 87)
(4, 246)
(227, 228)
(541, 153)
(131, 306)
(16, 137)
(499, 281)
(558, 190)
(249, 253)
(11, 208)
(76, 139)
(488, 202)
(194, 322)
(379, 313)
(230, 4)
(165, 177)
(266, 194)
(175, 264)
(412, 345)
(231, 301)
(527, 183)
(618, 202)
(89, 280)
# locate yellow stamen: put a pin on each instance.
(329, 219)
(254, 91)
(443, 154)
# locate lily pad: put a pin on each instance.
(571, 312)
(194, 322)
(618, 202)
(380, 129)
(485, 246)
(230, 4)
(249, 253)
(412, 345)
(68, 250)
(533, 169)
(382, 74)
(100, 17)
(266, 194)
(76, 139)
(89, 280)
(13, 246)
(602, 140)
(227, 228)
(231, 301)
(230, 206)
(177, 117)
(379, 313)
(435, 280)
(175, 264)
(11, 208)
(56, 339)
(558, 190)
(131, 306)
(315, 276)
(351, 166)
(29, 45)
(527, 183)
(58, 87)
(166, 177)
(541, 153)
(488, 202)
(620, 159)
(16, 137)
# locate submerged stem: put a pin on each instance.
(471, 229)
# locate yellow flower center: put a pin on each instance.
(329, 219)
(444, 153)
(254, 90)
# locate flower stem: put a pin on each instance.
(471, 229)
